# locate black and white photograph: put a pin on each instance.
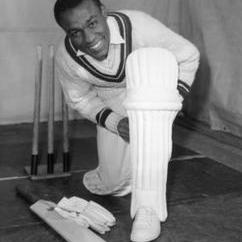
(121, 121)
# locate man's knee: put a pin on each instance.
(152, 76)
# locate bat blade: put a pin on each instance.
(66, 228)
(44, 209)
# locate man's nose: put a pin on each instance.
(89, 36)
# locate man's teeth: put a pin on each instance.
(96, 46)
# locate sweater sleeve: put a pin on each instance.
(81, 95)
(158, 35)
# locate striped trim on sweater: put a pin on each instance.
(102, 116)
(183, 88)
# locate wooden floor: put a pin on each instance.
(204, 194)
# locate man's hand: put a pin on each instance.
(123, 129)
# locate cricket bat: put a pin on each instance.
(67, 229)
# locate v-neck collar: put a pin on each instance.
(124, 31)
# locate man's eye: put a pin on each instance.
(93, 24)
(75, 34)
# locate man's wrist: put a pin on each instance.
(112, 122)
(108, 119)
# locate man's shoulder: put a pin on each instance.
(138, 18)
(133, 13)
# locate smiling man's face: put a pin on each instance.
(87, 28)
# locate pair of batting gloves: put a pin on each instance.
(87, 214)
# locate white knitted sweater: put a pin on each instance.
(89, 95)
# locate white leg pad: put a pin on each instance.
(152, 103)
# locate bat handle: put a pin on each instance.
(26, 193)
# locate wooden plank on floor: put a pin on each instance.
(83, 151)
(226, 154)
(219, 135)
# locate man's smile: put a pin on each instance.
(96, 46)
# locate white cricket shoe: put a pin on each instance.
(146, 226)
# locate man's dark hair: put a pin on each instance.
(63, 5)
